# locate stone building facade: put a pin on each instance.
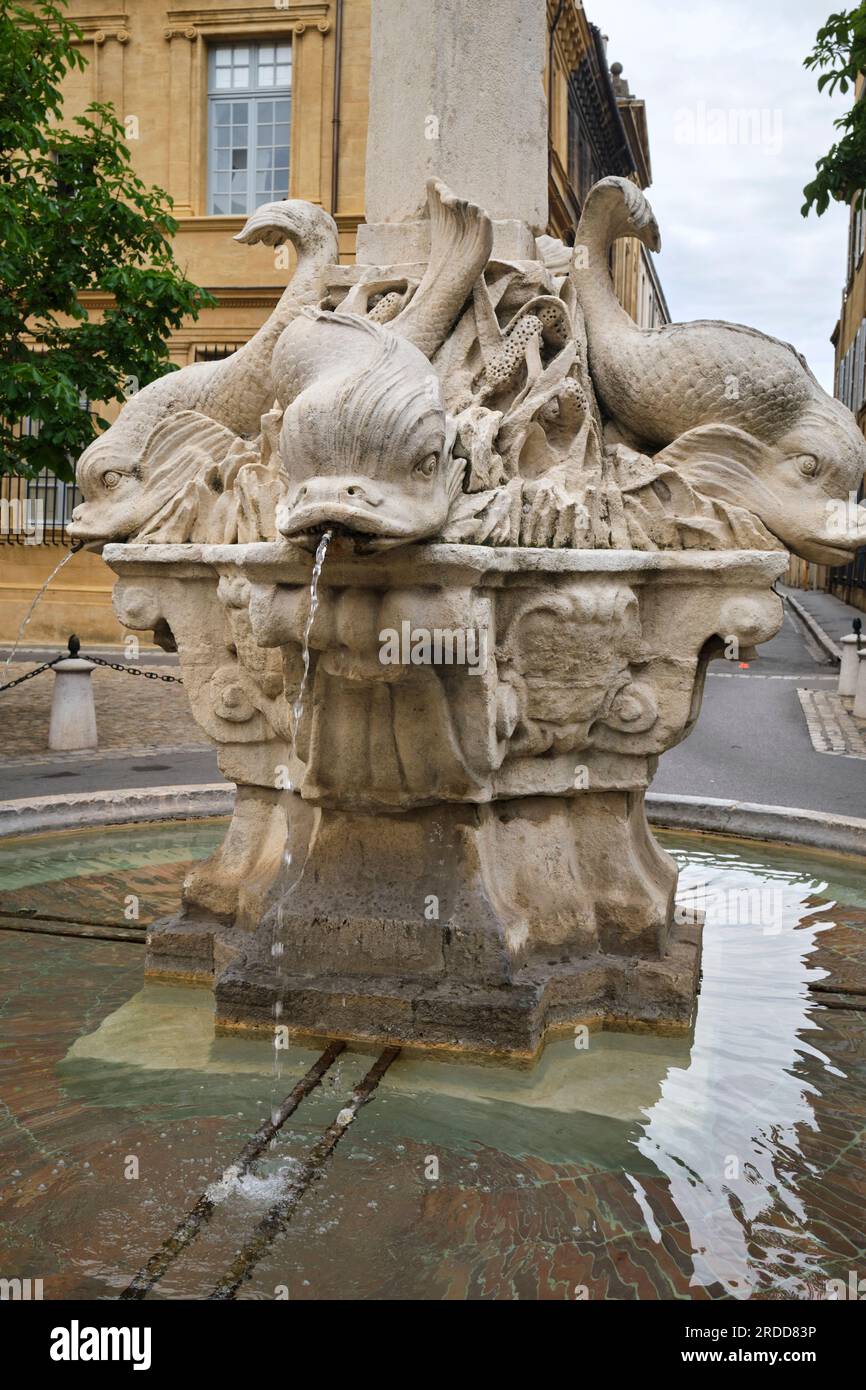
(848, 582)
(229, 105)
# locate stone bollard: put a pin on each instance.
(73, 713)
(859, 710)
(848, 669)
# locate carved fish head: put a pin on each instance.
(825, 453)
(365, 445)
(126, 489)
(801, 487)
(110, 479)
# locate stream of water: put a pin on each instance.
(278, 946)
(32, 609)
(298, 706)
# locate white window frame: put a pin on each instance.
(255, 96)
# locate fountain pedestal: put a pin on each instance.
(455, 852)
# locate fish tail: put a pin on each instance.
(615, 208)
(456, 225)
(245, 376)
(461, 240)
(312, 232)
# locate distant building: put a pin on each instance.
(228, 106)
(596, 128)
(849, 340)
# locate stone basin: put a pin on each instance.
(451, 847)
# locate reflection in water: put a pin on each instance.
(725, 1129)
(640, 1167)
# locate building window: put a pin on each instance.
(215, 352)
(250, 101)
(583, 168)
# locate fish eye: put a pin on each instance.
(808, 465)
(427, 466)
(110, 478)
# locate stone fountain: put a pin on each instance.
(445, 551)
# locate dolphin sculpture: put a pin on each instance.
(738, 414)
(366, 447)
(235, 392)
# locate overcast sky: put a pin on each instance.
(735, 125)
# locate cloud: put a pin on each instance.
(736, 124)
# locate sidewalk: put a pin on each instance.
(824, 615)
(132, 712)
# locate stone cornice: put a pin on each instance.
(227, 226)
(228, 297)
(572, 31)
(190, 22)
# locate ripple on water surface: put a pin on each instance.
(725, 1164)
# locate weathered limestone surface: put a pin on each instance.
(533, 525)
(463, 858)
(447, 127)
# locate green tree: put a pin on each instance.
(74, 218)
(840, 56)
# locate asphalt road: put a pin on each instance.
(168, 767)
(751, 741)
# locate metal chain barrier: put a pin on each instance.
(37, 671)
(133, 670)
(74, 651)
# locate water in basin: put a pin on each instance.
(724, 1164)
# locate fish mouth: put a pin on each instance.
(83, 539)
(819, 551)
(350, 527)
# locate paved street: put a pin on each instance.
(830, 611)
(132, 712)
(751, 741)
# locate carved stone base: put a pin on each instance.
(511, 1020)
(472, 927)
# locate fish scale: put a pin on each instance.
(737, 413)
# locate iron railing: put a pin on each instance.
(215, 352)
(34, 510)
(845, 578)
